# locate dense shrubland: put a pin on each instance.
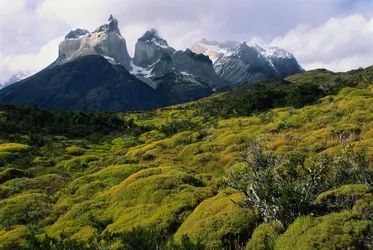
(282, 165)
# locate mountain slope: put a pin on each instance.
(88, 83)
(16, 78)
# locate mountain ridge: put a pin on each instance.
(175, 76)
(242, 63)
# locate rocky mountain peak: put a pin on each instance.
(110, 26)
(152, 36)
(150, 48)
(105, 41)
(16, 78)
(198, 57)
(250, 61)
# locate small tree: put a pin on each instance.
(274, 187)
(283, 188)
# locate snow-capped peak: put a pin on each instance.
(152, 36)
(268, 51)
(16, 78)
(214, 49)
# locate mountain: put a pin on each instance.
(180, 75)
(16, 78)
(241, 63)
(106, 41)
(89, 83)
(150, 48)
(94, 72)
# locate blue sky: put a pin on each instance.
(334, 34)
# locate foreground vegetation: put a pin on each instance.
(285, 164)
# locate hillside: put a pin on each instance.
(284, 164)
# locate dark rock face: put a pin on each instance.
(200, 67)
(176, 88)
(150, 48)
(198, 57)
(76, 33)
(89, 83)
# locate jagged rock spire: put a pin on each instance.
(110, 26)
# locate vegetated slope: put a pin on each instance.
(171, 171)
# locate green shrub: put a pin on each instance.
(218, 222)
(77, 151)
(264, 237)
(12, 173)
(23, 209)
(78, 163)
(13, 147)
(335, 231)
(183, 138)
(343, 197)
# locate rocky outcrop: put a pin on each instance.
(150, 48)
(106, 41)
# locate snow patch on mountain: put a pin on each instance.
(186, 73)
(268, 51)
(142, 71)
(160, 43)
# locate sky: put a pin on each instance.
(332, 34)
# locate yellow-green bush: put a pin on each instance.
(183, 138)
(15, 236)
(40, 184)
(77, 151)
(79, 163)
(23, 209)
(264, 237)
(12, 173)
(13, 147)
(343, 197)
(343, 230)
(218, 221)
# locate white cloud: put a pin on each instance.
(34, 61)
(340, 44)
